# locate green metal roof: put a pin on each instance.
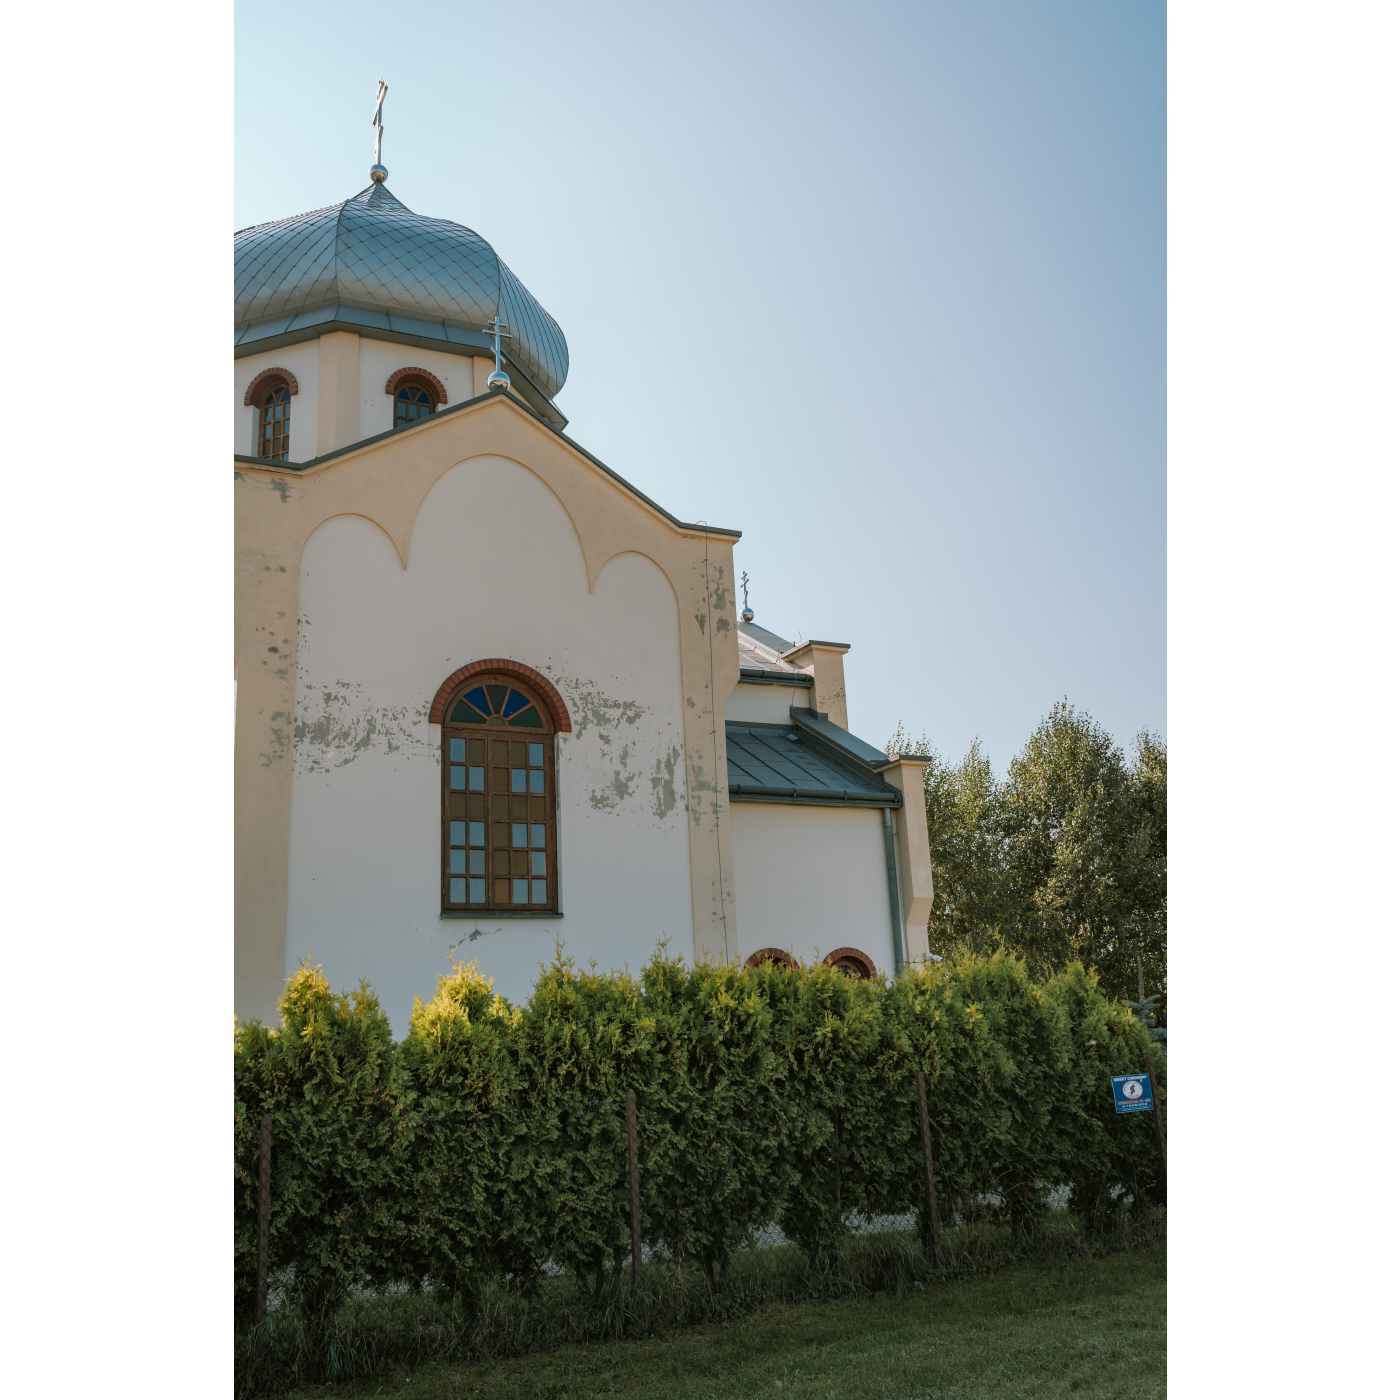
(781, 763)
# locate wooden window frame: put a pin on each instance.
(267, 388)
(414, 381)
(497, 730)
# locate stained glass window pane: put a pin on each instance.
(528, 719)
(536, 835)
(458, 779)
(517, 834)
(478, 892)
(517, 779)
(497, 695)
(536, 755)
(500, 751)
(536, 862)
(457, 834)
(476, 779)
(521, 892)
(515, 702)
(403, 393)
(478, 833)
(462, 713)
(538, 895)
(478, 698)
(502, 891)
(536, 780)
(500, 780)
(458, 750)
(478, 863)
(500, 835)
(456, 862)
(457, 891)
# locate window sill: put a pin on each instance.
(500, 914)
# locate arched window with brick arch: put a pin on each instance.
(416, 394)
(499, 852)
(271, 394)
(852, 962)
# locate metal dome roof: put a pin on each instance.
(374, 253)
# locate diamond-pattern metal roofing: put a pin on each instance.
(374, 253)
(770, 760)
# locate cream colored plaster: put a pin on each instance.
(303, 361)
(374, 643)
(810, 879)
(381, 358)
(764, 704)
(338, 393)
(912, 851)
(481, 372)
(388, 482)
(827, 667)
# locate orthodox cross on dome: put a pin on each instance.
(499, 378)
(377, 172)
(747, 614)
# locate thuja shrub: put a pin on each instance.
(461, 1206)
(711, 1112)
(328, 1076)
(490, 1144)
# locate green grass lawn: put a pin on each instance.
(1087, 1327)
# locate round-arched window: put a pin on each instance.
(412, 402)
(275, 421)
(852, 962)
(498, 840)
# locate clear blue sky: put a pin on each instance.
(883, 286)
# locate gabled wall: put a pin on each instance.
(391, 485)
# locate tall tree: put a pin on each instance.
(1065, 860)
(967, 849)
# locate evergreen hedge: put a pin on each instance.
(491, 1141)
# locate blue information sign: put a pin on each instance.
(1131, 1093)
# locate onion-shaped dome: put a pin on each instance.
(373, 254)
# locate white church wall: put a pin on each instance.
(764, 704)
(380, 358)
(304, 362)
(494, 570)
(811, 879)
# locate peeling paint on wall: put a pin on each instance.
(335, 723)
(628, 764)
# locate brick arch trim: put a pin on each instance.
(855, 955)
(399, 375)
(558, 711)
(777, 955)
(256, 386)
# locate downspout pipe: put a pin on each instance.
(901, 953)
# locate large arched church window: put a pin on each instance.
(498, 838)
(275, 420)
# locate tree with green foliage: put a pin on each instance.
(1065, 860)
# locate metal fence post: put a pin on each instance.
(1157, 1117)
(264, 1216)
(928, 1169)
(634, 1183)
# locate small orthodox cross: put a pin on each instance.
(747, 614)
(377, 121)
(494, 325)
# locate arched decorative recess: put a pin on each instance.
(776, 955)
(399, 375)
(261, 380)
(852, 962)
(558, 711)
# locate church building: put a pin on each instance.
(491, 696)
